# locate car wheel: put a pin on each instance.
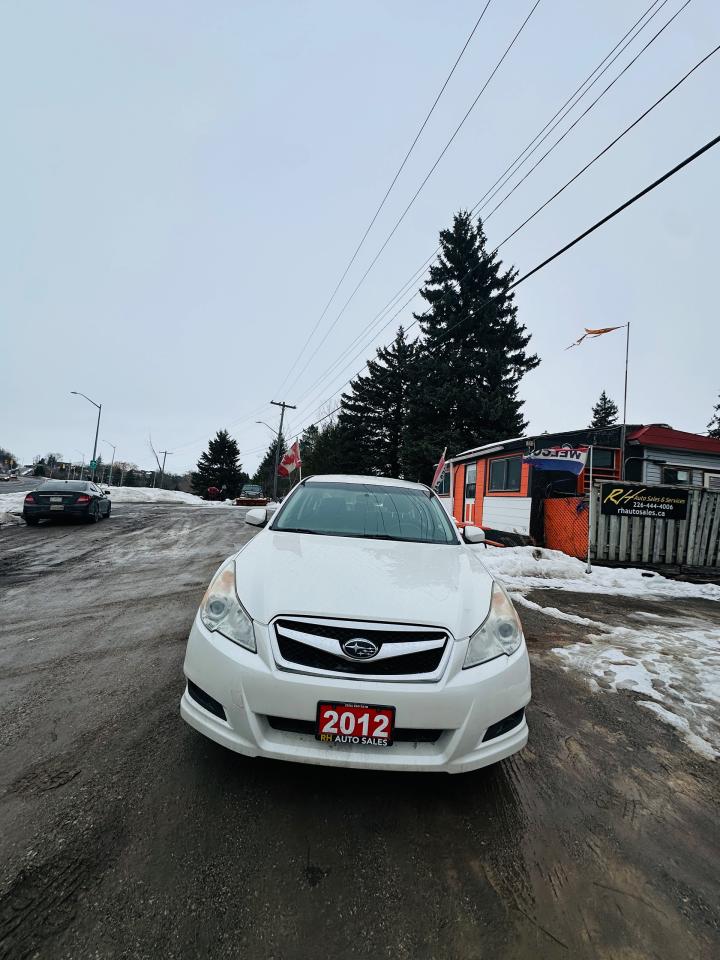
(95, 515)
(31, 521)
(108, 510)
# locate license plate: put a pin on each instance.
(56, 506)
(55, 499)
(355, 723)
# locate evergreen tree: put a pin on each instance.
(266, 470)
(604, 413)
(714, 425)
(472, 355)
(130, 480)
(308, 451)
(372, 417)
(220, 467)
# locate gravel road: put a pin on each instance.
(124, 834)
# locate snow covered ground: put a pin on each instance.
(532, 568)
(671, 660)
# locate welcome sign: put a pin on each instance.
(627, 500)
(558, 458)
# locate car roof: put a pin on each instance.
(359, 478)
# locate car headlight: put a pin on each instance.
(500, 633)
(222, 611)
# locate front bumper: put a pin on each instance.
(251, 688)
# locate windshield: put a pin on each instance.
(366, 510)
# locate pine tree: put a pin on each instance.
(604, 413)
(308, 450)
(220, 467)
(472, 355)
(714, 425)
(265, 472)
(373, 415)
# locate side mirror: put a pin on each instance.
(473, 535)
(106, 492)
(257, 517)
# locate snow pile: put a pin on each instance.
(155, 495)
(675, 664)
(11, 503)
(7, 519)
(531, 568)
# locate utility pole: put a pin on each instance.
(624, 423)
(283, 407)
(162, 468)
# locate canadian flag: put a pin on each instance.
(439, 470)
(291, 461)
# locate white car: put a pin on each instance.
(359, 629)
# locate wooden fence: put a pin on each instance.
(693, 542)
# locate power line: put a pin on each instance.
(534, 144)
(418, 191)
(582, 115)
(557, 193)
(558, 253)
(387, 192)
(610, 145)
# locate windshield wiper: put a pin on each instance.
(297, 530)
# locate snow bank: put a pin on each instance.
(155, 495)
(11, 503)
(531, 568)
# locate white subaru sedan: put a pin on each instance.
(359, 629)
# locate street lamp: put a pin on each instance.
(271, 429)
(82, 467)
(97, 427)
(112, 464)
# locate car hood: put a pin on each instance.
(298, 574)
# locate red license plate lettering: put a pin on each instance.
(355, 723)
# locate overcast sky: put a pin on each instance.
(183, 184)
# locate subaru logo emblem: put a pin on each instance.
(359, 648)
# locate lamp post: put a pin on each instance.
(97, 426)
(82, 467)
(112, 464)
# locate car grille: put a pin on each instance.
(404, 652)
(400, 734)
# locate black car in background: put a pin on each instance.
(66, 498)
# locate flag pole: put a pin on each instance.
(624, 424)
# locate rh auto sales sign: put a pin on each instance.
(633, 500)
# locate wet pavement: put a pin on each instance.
(124, 834)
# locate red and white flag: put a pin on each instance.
(440, 468)
(291, 461)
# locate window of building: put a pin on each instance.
(505, 474)
(470, 480)
(676, 475)
(443, 487)
(602, 459)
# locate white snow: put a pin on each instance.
(532, 568)
(671, 659)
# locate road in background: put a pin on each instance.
(123, 833)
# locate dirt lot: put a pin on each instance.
(124, 834)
